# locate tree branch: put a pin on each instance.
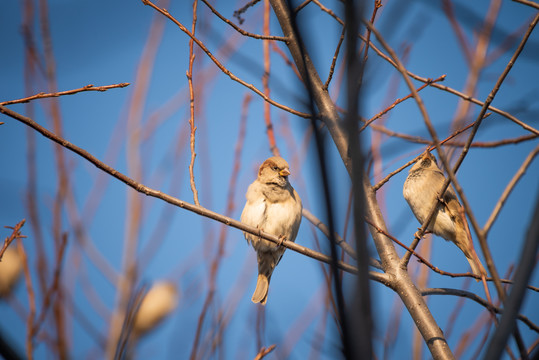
(184, 205)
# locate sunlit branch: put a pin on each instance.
(185, 205)
(221, 66)
(43, 95)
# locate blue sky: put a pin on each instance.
(101, 43)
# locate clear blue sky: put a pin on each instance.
(101, 43)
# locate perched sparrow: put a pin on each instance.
(420, 190)
(272, 206)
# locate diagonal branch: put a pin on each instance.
(43, 95)
(180, 203)
(401, 282)
(221, 66)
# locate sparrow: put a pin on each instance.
(421, 189)
(273, 206)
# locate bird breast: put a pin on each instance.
(421, 192)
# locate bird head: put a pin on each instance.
(274, 171)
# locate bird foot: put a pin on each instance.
(281, 239)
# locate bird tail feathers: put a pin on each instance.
(261, 292)
(477, 267)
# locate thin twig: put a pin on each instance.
(48, 298)
(184, 205)
(529, 3)
(451, 172)
(334, 60)
(240, 30)
(265, 81)
(264, 351)
(477, 299)
(237, 13)
(396, 102)
(421, 259)
(15, 234)
(31, 301)
(301, 6)
(221, 66)
(43, 95)
(192, 126)
(393, 173)
(510, 186)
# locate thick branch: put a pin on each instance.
(400, 280)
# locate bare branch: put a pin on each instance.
(501, 201)
(221, 66)
(43, 95)
(240, 30)
(15, 234)
(184, 205)
(477, 299)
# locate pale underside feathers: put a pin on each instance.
(272, 206)
(421, 189)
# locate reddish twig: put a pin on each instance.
(177, 202)
(219, 255)
(15, 234)
(510, 186)
(398, 101)
(264, 351)
(334, 60)
(286, 59)
(48, 297)
(192, 126)
(265, 81)
(436, 269)
(240, 30)
(221, 66)
(430, 148)
(43, 95)
(31, 301)
(447, 6)
(377, 5)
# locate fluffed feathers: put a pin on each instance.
(420, 190)
(272, 206)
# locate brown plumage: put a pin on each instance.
(420, 190)
(274, 207)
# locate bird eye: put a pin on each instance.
(275, 168)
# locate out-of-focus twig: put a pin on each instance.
(398, 101)
(31, 301)
(221, 66)
(501, 201)
(265, 81)
(185, 205)
(477, 299)
(15, 234)
(48, 297)
(240, 30)
(264, 351)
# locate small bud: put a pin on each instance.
(158, 303)
(10, 271)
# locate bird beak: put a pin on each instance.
(426, 154)
(284, 172)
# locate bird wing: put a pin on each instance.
(254, 212)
